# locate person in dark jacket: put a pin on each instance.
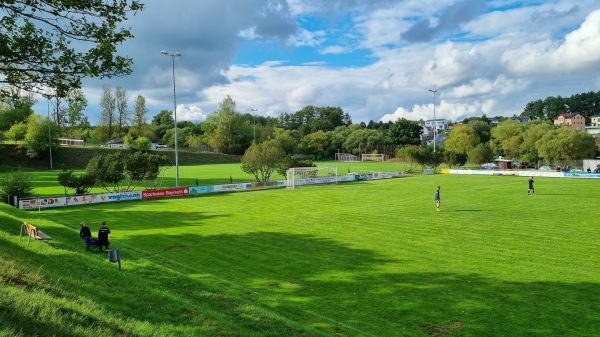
(103, 236)
(85, 232)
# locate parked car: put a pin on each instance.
(490, 166)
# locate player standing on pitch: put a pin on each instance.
(531, 189)
(437, 199)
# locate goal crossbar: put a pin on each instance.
(373, 157)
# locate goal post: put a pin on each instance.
(303, 176)
(372, 157)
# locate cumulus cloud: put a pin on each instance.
(579, 51)
(450, 64)
(450, 21)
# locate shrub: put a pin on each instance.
(18, 184)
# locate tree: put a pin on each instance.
(108, 104)
(262, 160)
(287, 140)
(482, 129)
(139, 114)
(140, 166)
(36, 138)
(481, 154)
(405, 155)
(108, 170)
(405, 132)
(44, 40)
(533, 133)
(19, 184)
(315, 145)
(82, 184)
(227, 129)
(76, 104)
(423, 155)
(15, 107)
(461, 139)
(122, 112)
(453, 159)
(17, 132)
(360, 141)
(162, 122)
(565, 143)
(509, 134)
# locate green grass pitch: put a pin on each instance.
(369, 258)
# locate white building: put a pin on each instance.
(438, 124)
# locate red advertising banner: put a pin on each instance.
(169, 192)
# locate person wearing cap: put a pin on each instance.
(103, 236)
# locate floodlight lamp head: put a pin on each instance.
(164, 52)
(434, 91)
(177, 54)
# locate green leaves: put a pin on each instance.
(38, 39)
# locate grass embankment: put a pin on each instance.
(12, 157)
(354, 259)
(62, 290)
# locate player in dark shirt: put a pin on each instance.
(103, 236)
(531, 189)
(438, 199)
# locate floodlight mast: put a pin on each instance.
(434, 121)
(176, 54)
(254, 110)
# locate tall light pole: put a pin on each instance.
(254, 110)
(164, 52)
(49, 132)
(434, 122)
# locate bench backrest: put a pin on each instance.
(30, 229)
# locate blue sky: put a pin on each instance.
(375, 59)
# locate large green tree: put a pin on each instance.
(57, 43)
(41, 132)
(140, 112)
(227, 129)
(461, 139)
(76, 105)
(509, 135)
(565, 143)
(262, 160)
(405, 132)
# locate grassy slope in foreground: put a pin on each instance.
(62, 290)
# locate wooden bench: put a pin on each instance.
(32, 232)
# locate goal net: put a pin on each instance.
(346, 157)
(372, 157)
(303, 176)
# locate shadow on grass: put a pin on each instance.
(317, 281)
(276, 284)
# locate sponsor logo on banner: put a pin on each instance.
(202, 189)
(232, 187)
(169, 192)
(121, 196)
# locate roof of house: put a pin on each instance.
(568, 115)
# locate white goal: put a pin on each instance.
(346, 157)
(372, 157)
(303, 176)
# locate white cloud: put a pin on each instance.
(580, 51)
(190, 113)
